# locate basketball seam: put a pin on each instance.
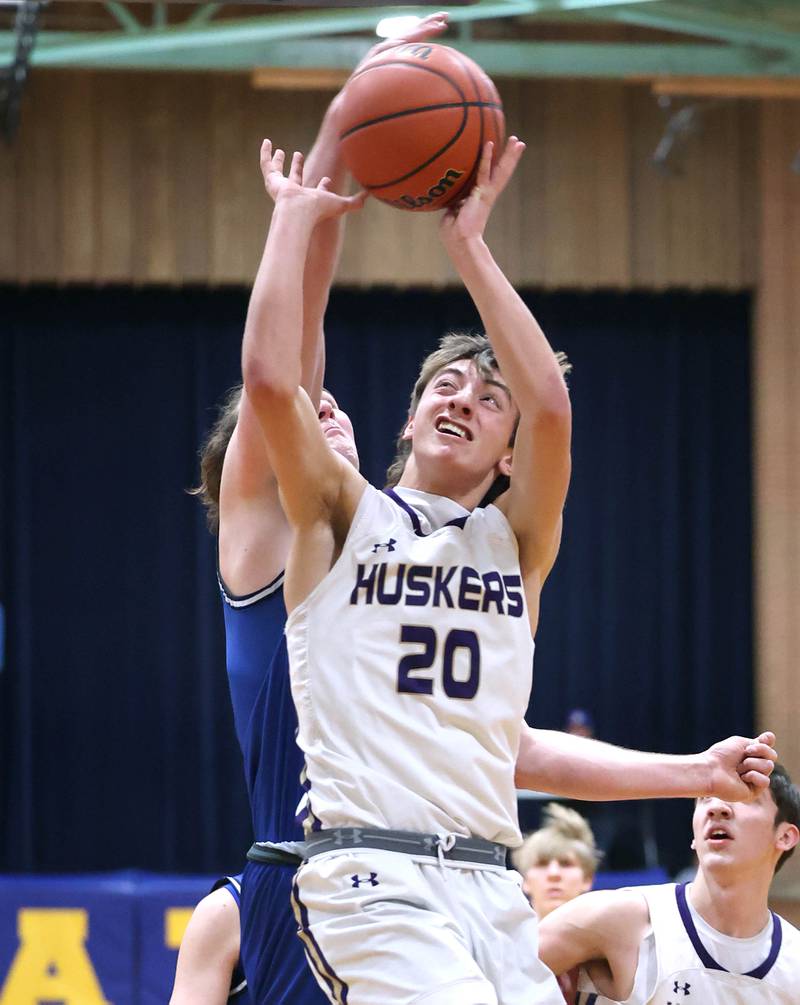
(421, 167)
(414, 111)
(473, 173)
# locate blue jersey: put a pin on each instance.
(263, 711)
(266, 727)
(238, 991)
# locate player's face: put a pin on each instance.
(551, 883)
(337, 428)
(464, 421)
(736, 836)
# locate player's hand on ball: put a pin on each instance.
(428, 27)
(741, 766)
(317, 200)
(468, 219)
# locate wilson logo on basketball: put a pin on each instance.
(435, 192)
(420, 51)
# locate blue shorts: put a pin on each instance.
(272, 954)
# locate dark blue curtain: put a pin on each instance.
(117, 742)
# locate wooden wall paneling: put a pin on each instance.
(189, 173)
(650, 244)
(154, 259)
(114, 199)
(568, 202)
(611, 259)
(747, 210)
(78, 142)
(525, 115)
(777, 441)
(230, 170)
(39, 181)
(10, 199)
(717, 177)
(586, 181)
(505, 228)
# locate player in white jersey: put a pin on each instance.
(410, 635)
(711, 942)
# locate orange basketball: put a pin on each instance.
(414, 121)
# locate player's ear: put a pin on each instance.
(693, 846)
(786, 836)
(408, 432)
(504, 464)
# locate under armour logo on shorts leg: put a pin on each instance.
(678, 987)
(372, 879)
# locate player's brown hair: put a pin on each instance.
(564, 833)
(212, 456)
(452, 347)
(786, 797)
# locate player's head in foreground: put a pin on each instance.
(335, 423)
(462, 421)
(755, 837)
(558, 862)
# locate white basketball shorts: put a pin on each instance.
(386, 928)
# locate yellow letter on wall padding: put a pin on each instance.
(52, 962)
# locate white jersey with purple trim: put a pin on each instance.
(683, 961)
(411, 667)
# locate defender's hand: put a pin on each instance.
(317, 200)
(740, 766)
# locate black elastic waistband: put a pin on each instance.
(272, 856)
(450, 846)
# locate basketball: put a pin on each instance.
(414, 121)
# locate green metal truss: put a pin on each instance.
(730, 40)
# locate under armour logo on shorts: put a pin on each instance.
(358, 881)
(388, 545)
(677, 987)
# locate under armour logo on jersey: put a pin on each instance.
(388, 545)
(677, 987)
(358, 881)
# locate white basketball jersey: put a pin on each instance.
(411, 667)
(676, 967)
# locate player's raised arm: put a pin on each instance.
(309, 473)
(581, 768)
(541, 461)
(324, 161)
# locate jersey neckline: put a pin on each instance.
(413, 516)
(707, 959)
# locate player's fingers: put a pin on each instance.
(278, 157)
(507, 164)
(355, 202)
(756, 780)
(296, 169)
(768, 738)
(433, 24)
(760, 764)
(759, 748)
(324, 184)
(485, 166)
(266, 151)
